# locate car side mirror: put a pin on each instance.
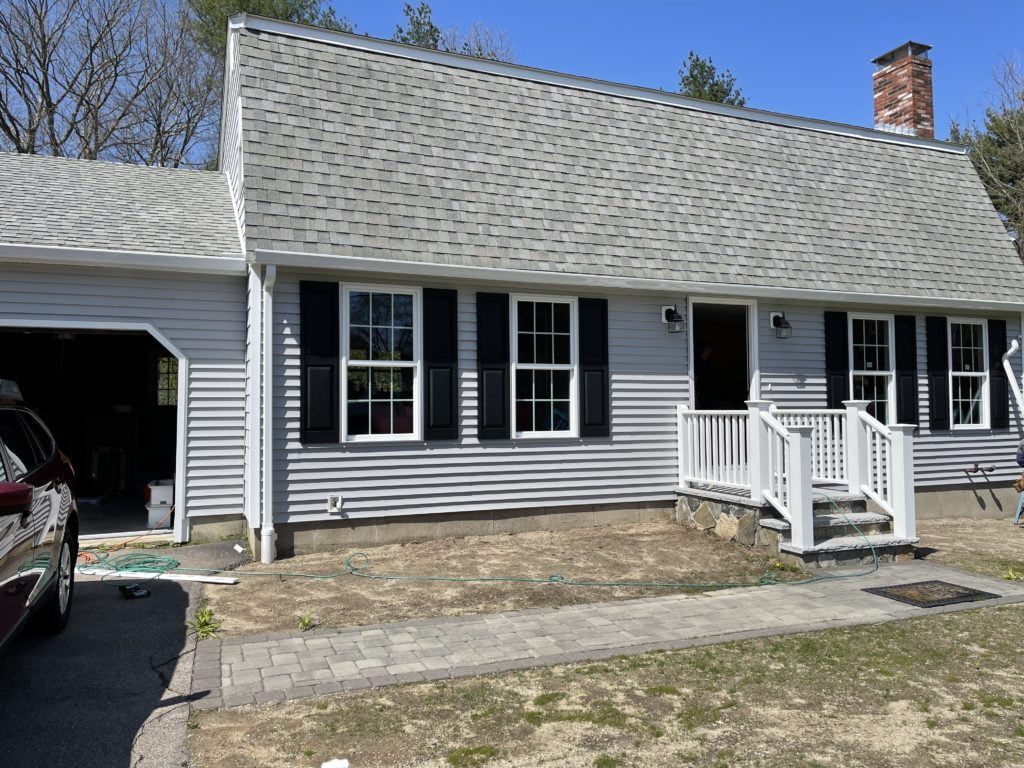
(15, 499)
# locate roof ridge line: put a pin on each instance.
(578, 82)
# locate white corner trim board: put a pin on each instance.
(20, 253)
(302, 260)
(374, 45)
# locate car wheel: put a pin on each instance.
(53, 616)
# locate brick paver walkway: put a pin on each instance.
(259, 668)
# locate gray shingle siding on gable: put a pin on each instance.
(359, 153)
(67, 203)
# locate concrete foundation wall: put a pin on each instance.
(217, 528)
(978, 500)
(323, 536)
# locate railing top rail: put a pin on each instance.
(775, 425)
(716, 413)
(810, 411)
(875, 424)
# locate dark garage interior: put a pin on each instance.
(110, 399)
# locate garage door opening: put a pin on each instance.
(111, 401)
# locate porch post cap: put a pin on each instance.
(906, 429)
(856, 403)
(759, 403)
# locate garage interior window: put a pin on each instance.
(968, 373)
(871, 364)
(544, 366)
(167, 381)
(381, 363)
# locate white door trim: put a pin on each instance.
(752, 357)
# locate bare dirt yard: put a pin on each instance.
(659, 551)
(943, 690)
(990, 547)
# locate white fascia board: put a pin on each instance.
(301, 260)
(17, 253)
(518, 71)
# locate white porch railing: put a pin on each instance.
(713, 448)
(828, 440)
(777, 455)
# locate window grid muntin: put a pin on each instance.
(872, 373)
(532, 325)
(968, 374)
(378, 367)
(167, 380)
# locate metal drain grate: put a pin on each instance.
(931, 594)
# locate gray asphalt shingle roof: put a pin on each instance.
(62, 202)
(349, 151)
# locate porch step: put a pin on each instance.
(849, 550)
(832, 525)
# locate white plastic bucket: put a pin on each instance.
(158, 515)
(161, 492)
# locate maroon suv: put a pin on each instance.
(38, 521)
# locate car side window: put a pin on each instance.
(44, 441)
(21, 449)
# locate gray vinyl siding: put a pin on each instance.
(203, 316)
(636, 464)
(793, 375)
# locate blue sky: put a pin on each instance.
(802, 57)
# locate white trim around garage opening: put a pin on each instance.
(181, 527)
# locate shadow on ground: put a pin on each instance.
(81, 697)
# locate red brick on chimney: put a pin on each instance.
(903, 91)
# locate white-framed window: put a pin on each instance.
(381, 355)
(871, 364)
(968, 374)
(544, 343)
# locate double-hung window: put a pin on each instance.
(968, 373)
(544, 366)
(381, 363)
(871, 363)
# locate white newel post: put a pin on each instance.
(684, 455)
(757, 449)
(904, 523)
(857, 466)
(801, 502)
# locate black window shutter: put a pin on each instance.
(440, 364)
(318, 341)
(998, 388)
(905, 332)
(595, 411)
(492, 348)
(937, 345)
(837, 359)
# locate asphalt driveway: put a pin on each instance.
(112, 690)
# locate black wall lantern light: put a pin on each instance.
(783, 330)
(671, 317)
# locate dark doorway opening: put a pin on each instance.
(721, 370)
(110, 399)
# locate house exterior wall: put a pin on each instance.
(230, 148)
(637, 463)
(203, 316)
(793, 375)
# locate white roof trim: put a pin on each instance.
(375, 45)
(232, 264)
(303, 260)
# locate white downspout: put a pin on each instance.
(268, 536)
(1014, 346)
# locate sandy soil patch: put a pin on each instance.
(989, 547)
(942, 690)
(660, 551)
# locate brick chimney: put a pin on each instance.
(903, 91)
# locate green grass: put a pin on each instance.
(605, 761)
(306, 622)
(469, 757)
(662, 690)
(549, 698)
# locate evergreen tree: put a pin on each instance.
(700, 79)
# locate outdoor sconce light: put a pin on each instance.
(783, 330)
(671, 317)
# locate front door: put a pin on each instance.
(721, 369)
